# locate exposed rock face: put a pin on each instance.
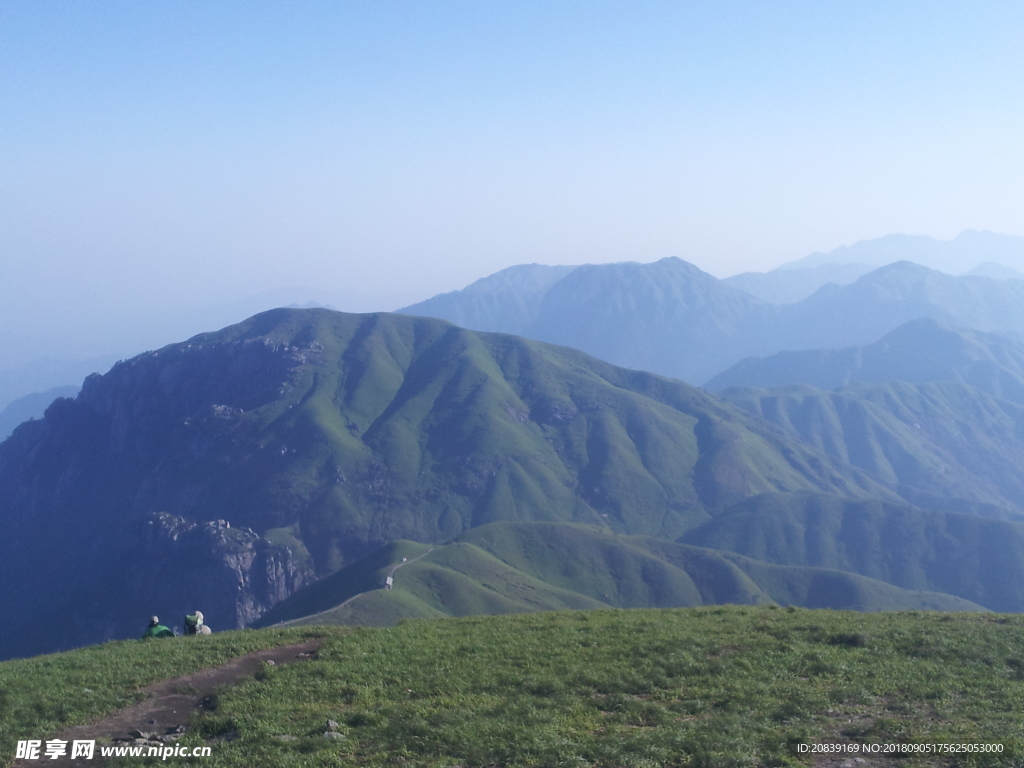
(169, 566)
(222, 473)
(231, 574)
(83, 486)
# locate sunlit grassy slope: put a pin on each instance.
(720, 686)
(44, 694)
(520, 567)
(333, 434)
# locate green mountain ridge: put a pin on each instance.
(291, 444)
(256, 473)
(935, 414)
(523, 567)
(975, 559)
(917, 352)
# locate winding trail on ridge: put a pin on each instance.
(389, 571)
(170, 703)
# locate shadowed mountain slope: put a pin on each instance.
(935, 414)
(880, 301)
(975, 559)
(31, 406)
(945, 446)
(507, 301)
(919, 351)
(227, 471)
(668, 316)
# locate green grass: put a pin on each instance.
(44, 693)
(970, 557)
(332, 434)
(524, 567)
(716, 686)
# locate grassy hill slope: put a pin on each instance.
(724, 686)
(917, 352)
(522, 567)
(973, 558)
(946, 446)
(295, 442)
(935, 413)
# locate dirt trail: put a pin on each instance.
(390, 571)
(169, 703)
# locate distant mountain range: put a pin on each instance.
(977, 254)
(671, 318)
(863, 448)
(962, 254)
(788, 286)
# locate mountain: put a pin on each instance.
(228, 471)
(945, 446)
(995, 271)
(961, 254)
(788, 286)
(882, 300)
(934, 413)
(671, 318)
(917, 352)
(506, 302)
(974, 559)
(973, 254)
(31, 406)
(524, 567)
(668, 316)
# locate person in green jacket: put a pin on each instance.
(194, 624)
(156, 629)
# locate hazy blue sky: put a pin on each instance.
(156, 155)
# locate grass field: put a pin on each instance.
(712, 686)
(43, 694)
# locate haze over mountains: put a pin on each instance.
(39, 358)
(957, 256)
(938, 412)
(672, 318)
(862, 448)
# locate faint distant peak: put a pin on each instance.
(537, 277)
(995, 271)
(903, 267)
(963, 253)
(668, 267)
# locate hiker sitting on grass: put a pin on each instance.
(156, 629)
(194, 624)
